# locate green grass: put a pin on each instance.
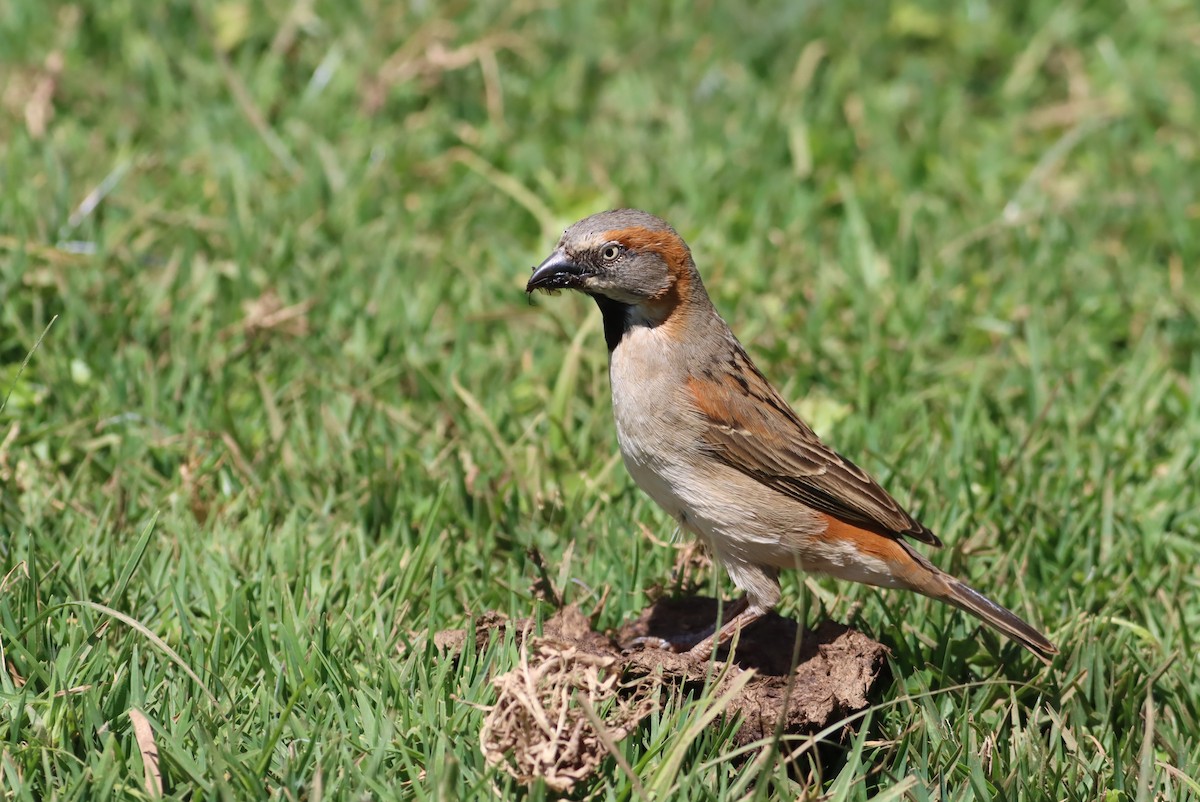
(964, 238)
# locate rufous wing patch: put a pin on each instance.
(725, 403)
(706, 402)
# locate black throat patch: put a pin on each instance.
(616, 320)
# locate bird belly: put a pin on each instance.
(669, 486)
(721, 506)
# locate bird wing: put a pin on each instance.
(752, 429)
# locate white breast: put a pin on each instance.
(652, 425)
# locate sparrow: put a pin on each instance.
(706, 436)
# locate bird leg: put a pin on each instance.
(739, 615)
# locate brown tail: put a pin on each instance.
(907, 568)
(967, 598)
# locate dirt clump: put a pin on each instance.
(576, 691)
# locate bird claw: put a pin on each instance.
(698, 646)
(649, 642)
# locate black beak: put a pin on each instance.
(558, 272)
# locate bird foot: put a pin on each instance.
(701, 645)
(678, 644)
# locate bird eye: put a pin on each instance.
(611, 252)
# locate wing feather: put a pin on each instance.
(752, 429)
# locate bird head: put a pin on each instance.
(625, 255)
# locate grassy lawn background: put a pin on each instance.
(294, 406)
